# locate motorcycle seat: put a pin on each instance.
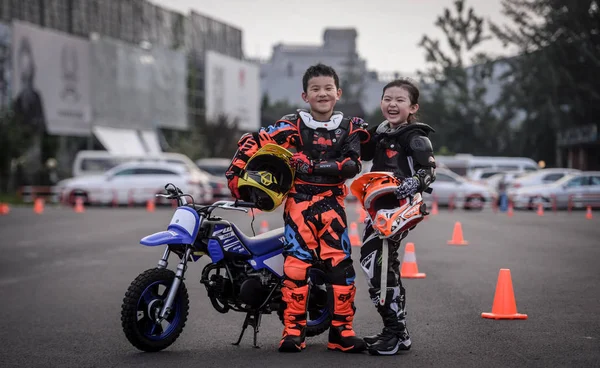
(263, 243)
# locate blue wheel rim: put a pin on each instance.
(147, 327)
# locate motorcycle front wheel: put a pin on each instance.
(142, 304)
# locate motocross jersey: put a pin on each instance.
(333, 146)
(403, 151)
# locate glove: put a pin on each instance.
(300, 162)
(232, 183)
(409, 187)
(265, 138)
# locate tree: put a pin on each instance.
(455, 96)
(553, 78)
(210, 139)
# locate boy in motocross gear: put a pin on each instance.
(398, 145)
(328, 153)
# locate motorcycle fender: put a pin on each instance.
(166, 237)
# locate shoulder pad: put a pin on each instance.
(421, 143)
(290, 117)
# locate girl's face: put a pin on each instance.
(396, 105)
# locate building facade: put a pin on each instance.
(281, 76)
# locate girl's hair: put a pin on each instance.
(410, 87)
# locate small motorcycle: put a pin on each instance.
(245, 275)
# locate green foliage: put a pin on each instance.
(454, 95)
(553, 80)
(209, 139)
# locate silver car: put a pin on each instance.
(449, 187)
(572, 191)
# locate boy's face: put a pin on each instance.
(321, 95)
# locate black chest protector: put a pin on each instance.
(322, 144)
(393, 152)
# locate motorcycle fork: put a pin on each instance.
(181, 268)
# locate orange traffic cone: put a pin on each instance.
(38, 206)
(409, 269)
(510, 211)
(264, 227)
(457, 235)
(354, 236)
(150, 205)
(588, 213)
(79, 208)
(362, 214)
(540, 210)
(434, 208)
(504, 306)
(254, 212)
(4, 209)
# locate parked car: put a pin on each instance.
(450, 187)
(507, 177)
(577, 190)
(134, 183)
(480, 175)
(216, 168)
(544, 176)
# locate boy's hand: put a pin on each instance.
(265, 138)
(301, 163)
(232, 183)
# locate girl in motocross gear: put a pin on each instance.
(328, 151)
(398, 145)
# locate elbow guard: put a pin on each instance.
(426, 176)
(346, 169)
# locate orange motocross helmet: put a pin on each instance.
(391, 217)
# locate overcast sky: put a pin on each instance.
(388, 30)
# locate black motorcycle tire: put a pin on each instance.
(129, 310)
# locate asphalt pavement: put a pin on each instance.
(63, 276)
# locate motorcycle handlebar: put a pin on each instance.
(244, 204)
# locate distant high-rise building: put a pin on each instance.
(281, 76)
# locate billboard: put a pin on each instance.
(232, 88)
(5, 66)
(51, 80)
(138, 88)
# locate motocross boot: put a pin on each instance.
(341, 306)
(394, 336)
(294, 317)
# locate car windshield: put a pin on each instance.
(564, 180)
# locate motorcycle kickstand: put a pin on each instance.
(252, 319)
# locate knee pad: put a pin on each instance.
(295, 270)
(343, 273)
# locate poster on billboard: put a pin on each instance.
(51, 80)
(233, 90)
(138, 88)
